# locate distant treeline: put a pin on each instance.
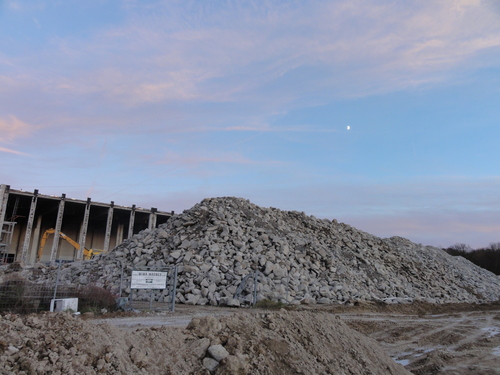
(488, 258)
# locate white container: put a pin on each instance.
(64, 304)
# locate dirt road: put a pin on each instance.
(457, 343)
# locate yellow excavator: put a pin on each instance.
(87, 253)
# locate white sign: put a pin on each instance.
(149, 280)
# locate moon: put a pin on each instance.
(348, 127)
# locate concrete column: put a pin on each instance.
(36, 238)
(14, 210)
(131, 223)
(152, 218)
(107, 238)
(60, 214)
(4, 197)
(29, 227)
(119, 234)
(83, 230)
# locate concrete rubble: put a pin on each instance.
(301, 259)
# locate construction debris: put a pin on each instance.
(299, 259)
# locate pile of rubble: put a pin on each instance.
(300, 259)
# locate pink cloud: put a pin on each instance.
(12, 128)
(9, 151)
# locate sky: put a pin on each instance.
(381, 114)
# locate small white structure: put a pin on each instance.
(64, 304)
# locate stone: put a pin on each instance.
(217, 352)
(206, 326)
(214, 248)
(192, 299)
(199, 347)
(279, 272)
(188, 256)
(269, 268)
(210, 364)
(176, 254)
(233, 302)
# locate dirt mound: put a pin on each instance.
(281, 342)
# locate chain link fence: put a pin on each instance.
(21, 296)
(153, 288)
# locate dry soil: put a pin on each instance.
(362, 339)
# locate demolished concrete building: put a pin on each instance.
(26, 216)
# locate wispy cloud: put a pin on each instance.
(262, 58)
(180, 54)
(9, 151)
(12, 128)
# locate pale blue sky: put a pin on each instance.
(164, 103)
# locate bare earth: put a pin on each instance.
(425, 339)
(456, 343)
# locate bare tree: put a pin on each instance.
(461, 247)
(495, 246)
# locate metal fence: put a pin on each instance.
(161, 294)
(18, 295)
(249, 284)
(23, 296)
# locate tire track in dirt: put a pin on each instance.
(458, 343)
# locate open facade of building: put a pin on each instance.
(45, 228)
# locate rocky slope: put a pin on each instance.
(301, 258)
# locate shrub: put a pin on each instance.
(269, 304)
(20, 296)
(92, 298)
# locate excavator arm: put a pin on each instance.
(43, 241)
(75, 244)
(87, 254)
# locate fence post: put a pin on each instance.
(174, 290)
(121, 280)
(53, 302)
(256, 275)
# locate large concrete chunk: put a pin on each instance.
(217, 352)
